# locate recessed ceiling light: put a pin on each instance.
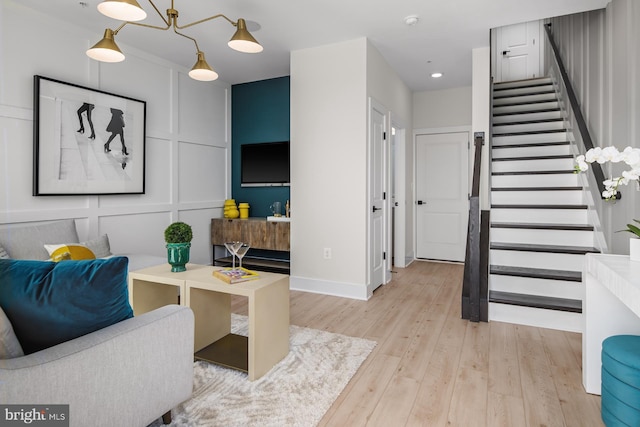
(436, 75)
(411, 20)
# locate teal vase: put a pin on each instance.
(178, 256)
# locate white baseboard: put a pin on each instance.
(326, 287)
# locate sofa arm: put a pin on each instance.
(127, 374)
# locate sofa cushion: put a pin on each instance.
(27, 242)
(9, 344)
(49, 303)
(100, 246)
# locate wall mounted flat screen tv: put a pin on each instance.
(265, 164)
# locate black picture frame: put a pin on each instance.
(86, 141)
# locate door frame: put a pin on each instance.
(386, 217)
(432, 131)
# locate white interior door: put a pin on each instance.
(518, 51)
(442, 191)
(377, 186)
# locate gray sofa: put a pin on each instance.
(127, 374)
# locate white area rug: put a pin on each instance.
(298, 391)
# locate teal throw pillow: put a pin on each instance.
(49, 303)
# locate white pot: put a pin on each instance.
(634, 249)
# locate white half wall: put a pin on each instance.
(187, 137)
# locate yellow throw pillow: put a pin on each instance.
(70, 251)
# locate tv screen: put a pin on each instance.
(265, 164)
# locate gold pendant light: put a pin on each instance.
(129, 11)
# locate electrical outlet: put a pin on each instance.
(327, 253)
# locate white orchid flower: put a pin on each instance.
(630, 156)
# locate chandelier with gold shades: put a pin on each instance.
(129, 11)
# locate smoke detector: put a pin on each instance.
(411, 20)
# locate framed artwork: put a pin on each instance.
(86, 141)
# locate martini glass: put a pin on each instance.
(241, 251)
(232, 247)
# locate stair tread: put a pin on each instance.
(529, 247)
(551, 157)
(528, 206)
(527, 83)
(537, 273)
(532, 144)
(529, 122)
(529, 132)
(545, 172)
(542, 226)
(513, 104)
(513, 113)
(540, 92)
(577, 187)
(536, 301)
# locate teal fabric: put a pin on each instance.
(49, 303)
(621, 358)
(623, 348)
(622, 411)
(611, 420)
(621, 390)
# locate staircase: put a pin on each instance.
(539, 226)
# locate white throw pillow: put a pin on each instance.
(9, 345)
(4, 254)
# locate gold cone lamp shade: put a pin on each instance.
(123, 10)
(106, 50)
(202, 71)
(243, 41)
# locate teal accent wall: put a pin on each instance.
(259, 113)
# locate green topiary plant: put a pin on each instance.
(178, 232)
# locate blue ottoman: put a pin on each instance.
(621, 380)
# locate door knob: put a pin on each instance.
(376, 209)
(420, 202)
(504, 52)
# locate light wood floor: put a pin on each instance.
(431, 368)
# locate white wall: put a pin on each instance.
(328, 168)
(187, 136)
(481, 100)
(330, 86)
(442, 108)
(600, 51)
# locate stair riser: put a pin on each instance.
(524, 98)
(525, 107)
(564, 197)
(542, 237)
(532, 165)
(550, 180)
(545, 150)
(529, 139)
(522, 91)
(516, 84)
(540, 216)
(528, 127)
(551, 261)
(541, 318)
(527, 116)
(533, 286)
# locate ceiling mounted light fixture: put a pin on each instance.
(106, 50)
(436, 75)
